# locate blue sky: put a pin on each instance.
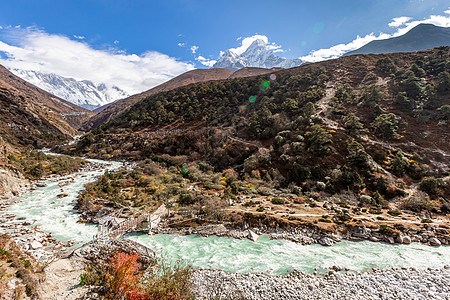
(132, 31)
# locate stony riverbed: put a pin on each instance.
(406, 283)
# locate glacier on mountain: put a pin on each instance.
(257, 55)
(84, 93)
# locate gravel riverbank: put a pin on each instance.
(407, 283)
(428, 234)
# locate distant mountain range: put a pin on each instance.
(257, 55)
(84, 93)
(421, 37)
(30, 115)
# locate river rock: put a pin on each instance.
(361, 232)
(434, 242)
(399, 239)
(252, 236)
(35, 245)
(326, 241)
(406, 240)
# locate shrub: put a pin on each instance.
(394, 212)
(317, 140)
(341, 218)
(399, 164)
(123, 274)
(388, 230)
(375, 211)
(366, 200)
(386, 66)
(352, 123)
(386, 125)
(417, 202)
(429, 185)
(277, 201)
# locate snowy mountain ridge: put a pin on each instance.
(84, 93)
(257, 55)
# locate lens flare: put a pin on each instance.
(318, 27)
(252, 99)
(266, 84)
(273, 77)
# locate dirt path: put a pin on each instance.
(322, 105)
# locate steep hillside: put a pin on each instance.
(249, 72)
(375, 125)
(109, 111)
(30, 115)
(200, 75)
(421, 37)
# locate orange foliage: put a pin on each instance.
(123, 275)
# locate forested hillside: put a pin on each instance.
(375, 125)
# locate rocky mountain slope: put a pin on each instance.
(421, 37)
(257, 55)
(107, 112)
(374, 127)
(30, 115)
(84, 93)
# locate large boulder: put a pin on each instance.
(35, 245)
(252, 236)
(434, 242)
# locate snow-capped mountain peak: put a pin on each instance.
(84, 93)
(258, 55)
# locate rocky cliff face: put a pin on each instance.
(12, 182)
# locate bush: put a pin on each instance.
(277, 201)
(388, 230)
(386, 125)
(429, 185)
(386, 66)
(341, 218)
(366, 200)
(317, 140)
(418, 202)
(375, 211)
(394, 212)
(125, 278)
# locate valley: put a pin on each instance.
(330, 178)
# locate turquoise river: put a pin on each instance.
(56, 215)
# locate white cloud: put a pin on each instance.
(246, 42)
(338, 50)
(194, 49)
(79, 37)
(397, 22)
(116, 42)
(204, 61)
(447, 11)
(33, 49)
(181, 44)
